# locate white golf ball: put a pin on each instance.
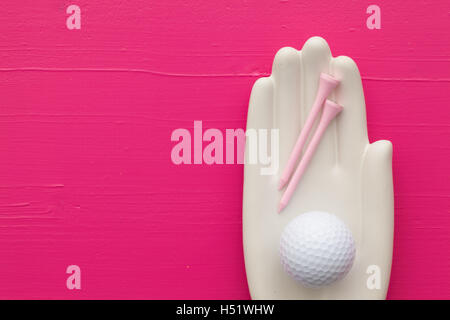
(317, 249)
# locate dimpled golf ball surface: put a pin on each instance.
(317, 249)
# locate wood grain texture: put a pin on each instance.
(86, 117)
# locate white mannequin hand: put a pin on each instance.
(347, 176)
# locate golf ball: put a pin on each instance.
(317, 249)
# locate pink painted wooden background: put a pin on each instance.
(86, 118)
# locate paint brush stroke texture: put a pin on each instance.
(85, 123)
